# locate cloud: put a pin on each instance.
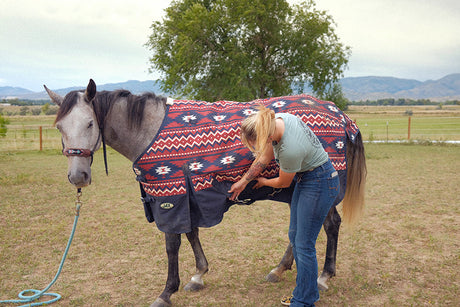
(64, 43)
(74, 40)
(404, 38)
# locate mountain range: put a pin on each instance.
(354, 88)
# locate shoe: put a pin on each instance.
(286, 301)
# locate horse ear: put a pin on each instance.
(90, 90)
(54, 97)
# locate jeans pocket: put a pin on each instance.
(333, 184)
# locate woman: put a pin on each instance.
(300, 156)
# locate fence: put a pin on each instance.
(30, 137)
(410, 128)
(444, 129)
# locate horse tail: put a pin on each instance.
(353, 202)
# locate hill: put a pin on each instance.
(372, 88)
(134, 86)
(354, 88)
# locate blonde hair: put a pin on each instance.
(257, 128)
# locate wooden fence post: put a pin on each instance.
(408, 130)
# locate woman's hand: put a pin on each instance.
(261, 181)
(237, 188)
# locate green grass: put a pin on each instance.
(427, 124)
(404, 252)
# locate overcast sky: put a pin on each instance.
(63, 43)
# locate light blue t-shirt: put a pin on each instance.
(299, 149)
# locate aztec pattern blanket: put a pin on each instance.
(197, 155)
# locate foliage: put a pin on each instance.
(23, 111)
(336, 95)
(47, 109)
(3, 128)
(241, 50)
(24, 102)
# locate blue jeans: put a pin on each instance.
(314, 194)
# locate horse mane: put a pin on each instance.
(105, 100)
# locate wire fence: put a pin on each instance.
(411, 128)
(30, 137)
(431, 129)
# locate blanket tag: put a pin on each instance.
(166, 206)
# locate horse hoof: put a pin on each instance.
(322, 286)
(272, 277)
(193, 286)
(159, 302)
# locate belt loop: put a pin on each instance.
(299, 177)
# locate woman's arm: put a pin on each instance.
(284, 180)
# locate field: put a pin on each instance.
(404, 252)
(391, 123)
(427, 123)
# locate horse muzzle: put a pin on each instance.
(79, 179)
(80, 160)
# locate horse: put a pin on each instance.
(88, 119)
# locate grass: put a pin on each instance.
(428, 123)
(405, 251)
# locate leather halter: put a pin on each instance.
(79, 152)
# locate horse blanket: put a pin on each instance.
(197, 155)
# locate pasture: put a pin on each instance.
(428, 123)
(405, 251)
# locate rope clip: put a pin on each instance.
(78, 202)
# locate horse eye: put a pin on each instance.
(91, 124)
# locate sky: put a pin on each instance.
(63, 43)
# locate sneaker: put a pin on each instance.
(286, 301)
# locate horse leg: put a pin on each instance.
(196, 283)
(173, 242)
(331, 226)
(285, 264)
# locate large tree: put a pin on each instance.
(241, 50)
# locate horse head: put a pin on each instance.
(81, 135)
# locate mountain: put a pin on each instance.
(354, 88)
(9, 91)
(372, 88)
(135, 87)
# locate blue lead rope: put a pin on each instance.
(26, 296)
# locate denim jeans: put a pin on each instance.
(314, 194)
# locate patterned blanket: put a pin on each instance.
(197, 155)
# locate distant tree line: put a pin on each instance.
(28, 109)
(24, 102)
(402, 102)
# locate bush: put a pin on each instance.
(3, 128)
(35, 111)
(52, 111)
(409, 112)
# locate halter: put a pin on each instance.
(85, 153)
(79, 152)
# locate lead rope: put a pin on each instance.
(25, 296)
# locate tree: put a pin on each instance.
(335, 94)
(241, 50)
(3, 127)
